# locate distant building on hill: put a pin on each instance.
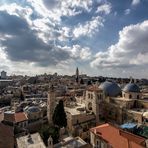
(3, 75)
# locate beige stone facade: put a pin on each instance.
(51, 103)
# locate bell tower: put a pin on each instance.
(51, 103)
(77, 75)
(93, 99)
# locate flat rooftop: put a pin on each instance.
(138, 110)
(30, 141)
(76, 109)
(5, 80)
(122, 99)
(71, 142)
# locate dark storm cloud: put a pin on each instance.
(50, 4)
(23, 44)
(11, 24)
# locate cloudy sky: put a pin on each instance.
(108, 38)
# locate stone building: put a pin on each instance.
(93, 98)
(83, 111)
(35, 118)
(126, 107)
(51, 103)
(30, 141)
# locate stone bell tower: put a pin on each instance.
(93, 99)
(77, 75)
(51, 103)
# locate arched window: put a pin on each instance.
(91, 96)
(90, 106)
(130, 96)
(98, 144)
(98, 96)
(88, 96)
(137, 96)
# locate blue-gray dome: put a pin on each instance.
(33, 109)
(131, 87)
(110, 88)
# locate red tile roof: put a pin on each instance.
(19, 117)
(117, 137)
(15, 117)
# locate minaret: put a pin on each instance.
(51, 103)
(131, 79)
(77, 75)
(50, 142)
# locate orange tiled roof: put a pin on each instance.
(19, 117)
(15, 117)
(117, 137)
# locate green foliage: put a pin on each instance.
(89, 82)
(47, 131)
(59, 116)
(22, 96)
(81, 81)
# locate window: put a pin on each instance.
(98, 97)
(130, 96)
(90, 106)
(110, 113)
(88, 96)
(137, 96)
(98, 144)
(91, 96)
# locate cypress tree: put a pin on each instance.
(59, 115)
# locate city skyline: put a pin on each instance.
(108, 38)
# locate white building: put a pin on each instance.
(30, 141)
(71, 142)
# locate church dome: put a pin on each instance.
(110, 88)
(131, 87)
(33, 109)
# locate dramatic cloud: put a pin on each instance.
(135, 2)
(89, 28)
(57, 8)
(104, 8)
(131, 49)
(21, 43)
(45, 35)
(127, 11)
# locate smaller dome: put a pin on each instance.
(110, 88)
(131, 87)
(33, 109)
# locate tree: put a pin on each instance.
(81, 81)
(22, 98)
(59, 115)
(47, 131)
(89, 82)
